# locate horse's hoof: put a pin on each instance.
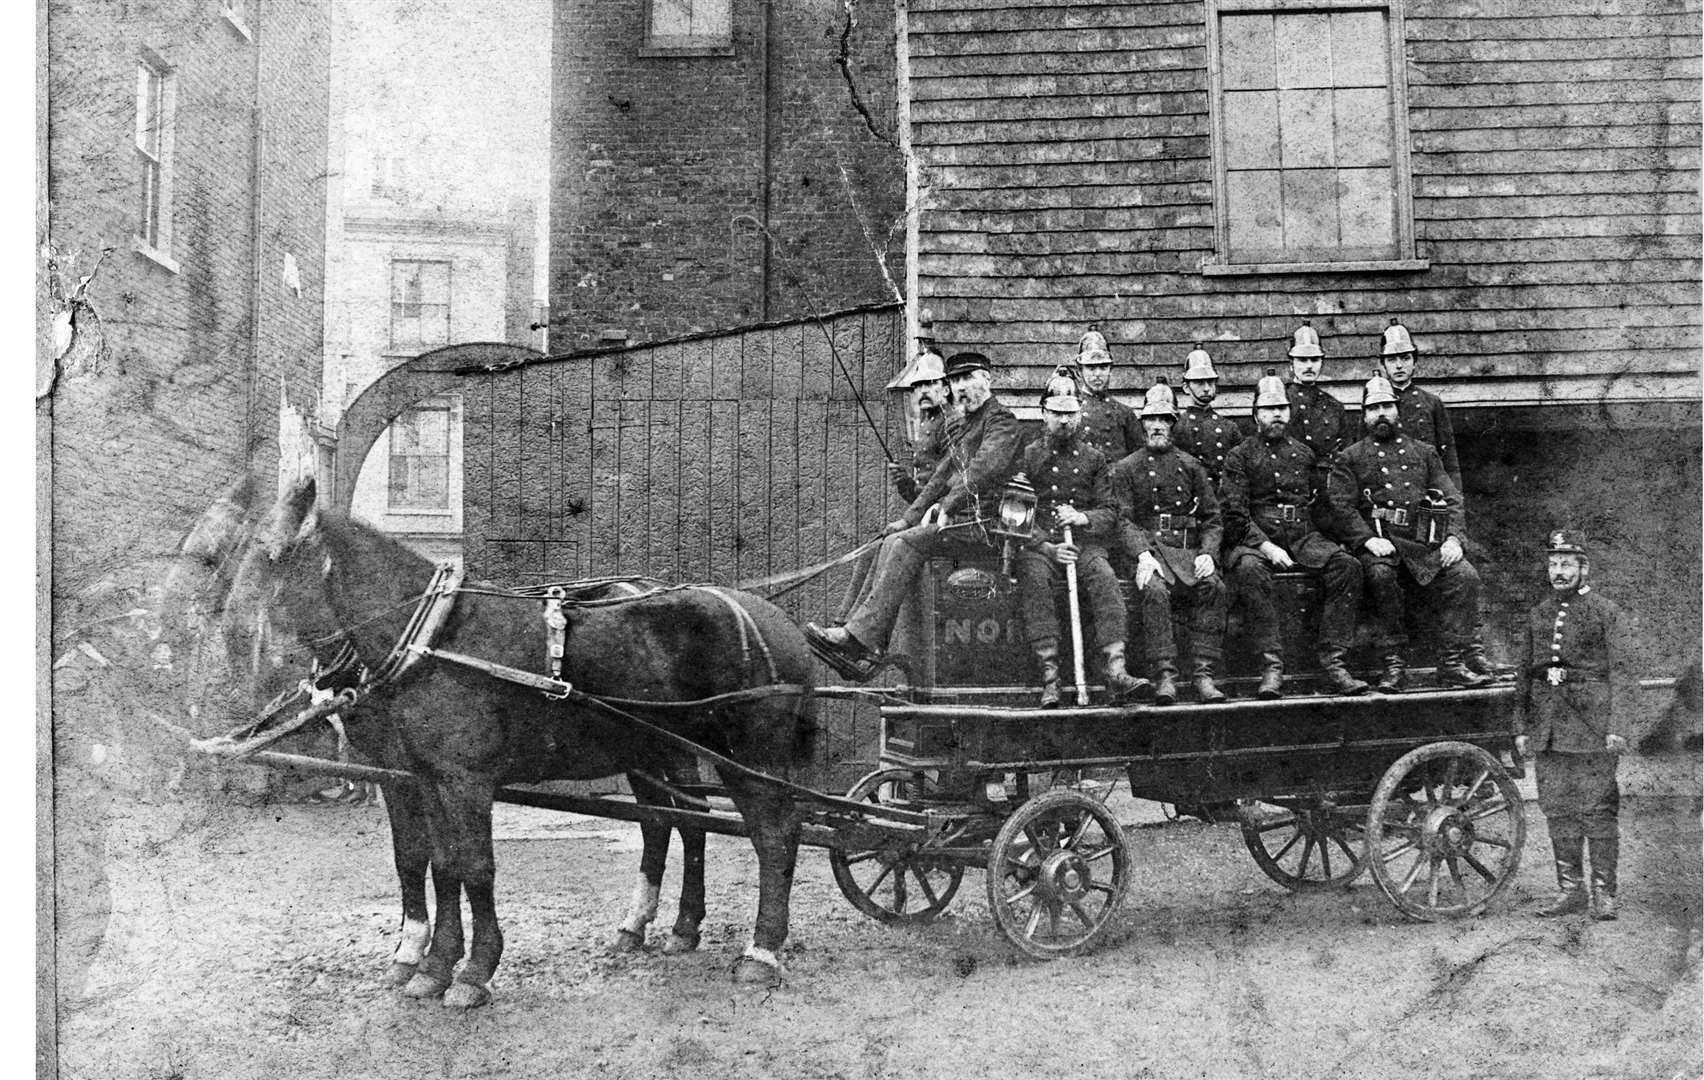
(626, 941)
(679, 944)
(423, 985)
(465, 995)
(750, 972)
(399, 975)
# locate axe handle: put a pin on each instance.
(1076, 627)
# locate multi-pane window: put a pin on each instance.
(420, 302)
(150, 151)
(689, 24)
(420, 459)
(1312, 133)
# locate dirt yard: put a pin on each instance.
(235, 943)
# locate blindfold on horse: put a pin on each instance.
(341, 586)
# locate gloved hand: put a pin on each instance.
(1063, 554)
(1378, 545)
(1146, 567)
(1204, 566)
(1449, 553)
(1276, 555)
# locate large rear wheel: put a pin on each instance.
(899, 882)
(1057, 871)
(1445, 830)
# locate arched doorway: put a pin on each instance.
(400, 389)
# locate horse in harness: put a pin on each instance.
(437, 682)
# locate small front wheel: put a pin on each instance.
(1444, 831)
(900, 883)
(1057, 871)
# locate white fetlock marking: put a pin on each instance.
(762, 956)
(412, 948)
(642, 909)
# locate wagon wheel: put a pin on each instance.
(896, 883)
(1306, 847)
(1058, 869)
(1445, 830)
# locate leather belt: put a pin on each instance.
(1396, 515)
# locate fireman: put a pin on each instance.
(1201, 431)
(1395, 507)
(1424, 417)
(1574, 708)
(1109, 425)
(1316, 417)
(1269, 488)
(980, 449)
(1171, 528)
(1073, 489)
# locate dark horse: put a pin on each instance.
(463, 733)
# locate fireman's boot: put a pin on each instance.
(1453, 671)
(1205, 690)
(1165, 682)
(1337, 676)
(1606, 853)
(1571, 899)
(1271, 677)
(1395, 674)
(1048, 655)
(1122, 685)
(1473, 654)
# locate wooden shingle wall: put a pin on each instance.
(719, 459)
(1066, 179)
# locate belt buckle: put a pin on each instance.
(1165, 523)
(1287, 513)
(1399, 515)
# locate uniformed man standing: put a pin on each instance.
(1576, 691)
(1171, 527)
(1269, 489)
(1395, 507)
(1201, 432)
(1109, 425)
(1073, 489)
(1316, 417)
(1424, 417)
(981, 444)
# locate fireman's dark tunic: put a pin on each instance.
(1268, 490)
(1167, 506)
(1082, 479)
(1318, 420)
(1206, 436)
(1374, 477)
(1110, 426)
(1585, 637)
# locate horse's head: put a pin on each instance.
(277, 573)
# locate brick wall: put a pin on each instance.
(666, 170)
(145, 433)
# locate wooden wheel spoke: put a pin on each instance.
(1413, 873)
(1307, 853)
(1455, 873)
(1487, 810)
(1344, 844)
(1022, 894)
(1100, 853)
(1432, 885)
(1494, 841)
(1285, 850)
(1398, 851)
(862, 856)
(923, 881)
(1479, 867)
(1473, 788)
(887, 868)
(1081, 831)
(899, 891)
(1101, 887)
(1086, 919)
(1451, 771)
(1325, 859)
(1033, 922)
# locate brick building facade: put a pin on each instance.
(187, 141)
(677, 149)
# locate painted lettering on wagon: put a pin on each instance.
(985, 631)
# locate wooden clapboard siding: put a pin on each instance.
(1066, 179)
